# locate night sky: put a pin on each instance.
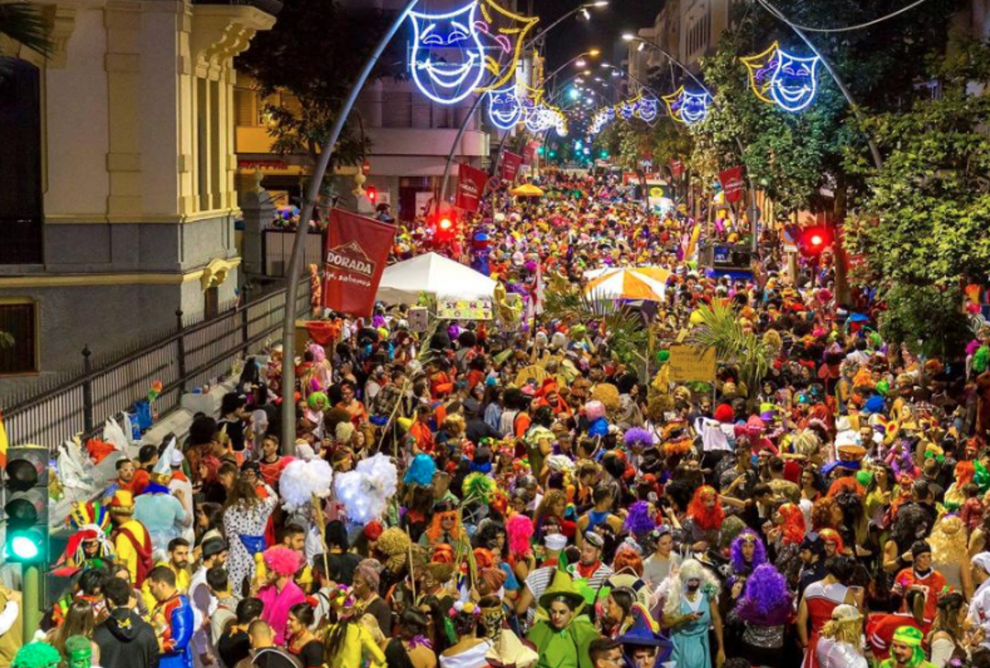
(604, 31)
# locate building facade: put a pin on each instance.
(117, 199)
(411, 139)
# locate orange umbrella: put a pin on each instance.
(648, 283)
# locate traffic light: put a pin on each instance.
(371, 193)
(814, 240)
(26, 507)
(444, 226)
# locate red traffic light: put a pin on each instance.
(445, 224)
(814, 240)
(371, 193)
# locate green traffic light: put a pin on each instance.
(24, 548)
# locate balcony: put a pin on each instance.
(272, 7)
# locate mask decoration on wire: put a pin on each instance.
(504, 108)
(687, 108)
(627, 109)
(447, 58)
(778, 77)
(503, 33)
(647, 109)
(601, 118)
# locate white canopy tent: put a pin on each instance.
(435, 275)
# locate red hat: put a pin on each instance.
(372, 530)
(724, 413)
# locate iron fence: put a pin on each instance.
(190, 357)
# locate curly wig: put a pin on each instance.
(739, 564)
(627, 560)
(793, 526)
(823, 513)
(608, 394)
(435, 530)
(393, 543)
(965, 472)
(639, 522)
(638, 436)
(519, 530)
(767, 600)
(948, 539)
(703, 518)
(282, 560)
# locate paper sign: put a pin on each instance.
(687, 364)
(464, 309)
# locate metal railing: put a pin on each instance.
(190, 357)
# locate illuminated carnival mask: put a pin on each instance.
(504, 34)
(504, 108)
(447, 58)
(647, 109)
(687, 108)
(793, 84)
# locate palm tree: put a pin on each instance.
(24, 23)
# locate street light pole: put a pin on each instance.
(299, 245)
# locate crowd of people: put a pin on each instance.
(517, 494)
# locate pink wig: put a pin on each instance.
(519, 530)
(282, 560)
(594, 410)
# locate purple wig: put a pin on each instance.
(767, 600)
(639, 522)
(638, 435)
(739, 565)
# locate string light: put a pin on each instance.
(508, 38)
(760, 68)
(504, 109)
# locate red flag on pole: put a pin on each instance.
(470, 186)
(732, 183)
(511, 162)
(676, 168)
(354, 258)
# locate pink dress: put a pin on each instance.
(821, 599)
(277, 605)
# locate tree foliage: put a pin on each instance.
(790, 156)
(922, 224)
(305, 67)
(24, 24)
(721, 330)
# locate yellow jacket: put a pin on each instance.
(357, 643)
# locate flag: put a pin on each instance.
(732, 183)
(354, 258)
(4, 444)
(510, 166)
(470, 187)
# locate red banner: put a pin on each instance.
(353, 261)
(530, 152)
(732, 183)
(676, 168)
(470, 186)
(511, 162)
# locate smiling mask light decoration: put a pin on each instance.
(647, 109)
(504, 108)
(687, 108)
(780, 78)
(447, 58)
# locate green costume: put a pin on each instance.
(567, 647)
(912, 637)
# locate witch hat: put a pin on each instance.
(562, 586)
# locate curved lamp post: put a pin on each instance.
(299, 245)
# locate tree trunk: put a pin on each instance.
(843, 296)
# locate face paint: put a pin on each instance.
(793, 84)
(447, 58)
